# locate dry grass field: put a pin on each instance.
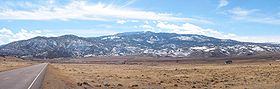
(246, 75)
(9, 63)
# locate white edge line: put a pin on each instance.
(36, 77)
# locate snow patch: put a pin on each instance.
(89, 55)
(110, 37)
(184, 38)
(199, 48)
(210, 49)
(257, 48)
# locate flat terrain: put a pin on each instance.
(169, 75)
(9, 63)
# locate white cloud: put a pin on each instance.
(51, 1)
(6, 35)
(147, 27)
(84, 32)
(127, 21)
(240, 12)
(188, 28)
(223, 3)
(82, 10)
(121, 21)
(5, 31)
(258, 39)
(251, 15)
(264, 20)
(129, 2)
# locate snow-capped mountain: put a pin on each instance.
(135, 44)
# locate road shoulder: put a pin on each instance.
(55, 80)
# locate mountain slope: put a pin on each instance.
(135, 43)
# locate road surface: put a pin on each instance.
(23, 78)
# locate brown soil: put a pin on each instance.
(55, 79)
(259, 75)
(10, 63)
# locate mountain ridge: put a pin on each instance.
(134, 44)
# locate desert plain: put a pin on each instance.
(9, 63)
(241, 74)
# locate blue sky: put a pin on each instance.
(243, 20)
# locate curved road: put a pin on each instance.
(23, 78)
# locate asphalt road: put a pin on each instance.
(23, 78)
